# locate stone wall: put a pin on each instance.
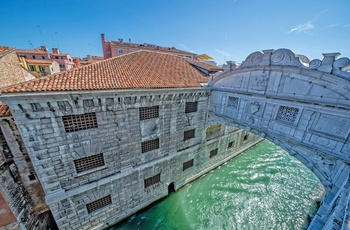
(101, 156)
(22, 192)
(11, 72)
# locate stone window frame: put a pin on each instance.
(150, 112)
(189, 134)
(89, 164)
(213, 152)
(231, 144)
(186, 165)
(99, 204)
(153, 180)
(191, 107)
(150, 145)
(73, 123)
(245, 137)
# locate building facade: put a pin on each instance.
(41, 62)
(117, 135)
(11, 70)
(120, 47)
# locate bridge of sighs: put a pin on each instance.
(302, 106)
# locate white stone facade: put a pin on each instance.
(99, 160)
(299, 105)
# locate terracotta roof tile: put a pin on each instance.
(35, 51)
(4, 50)
(4, 110)
(141, 69)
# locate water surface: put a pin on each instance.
(263, 188)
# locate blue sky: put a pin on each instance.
(223, 29)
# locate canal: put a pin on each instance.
(263, 188)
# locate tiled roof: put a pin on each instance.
(60, 55)
(4, 50)
(4, 110)
(35, 51)
(149, 47)
(141, 69)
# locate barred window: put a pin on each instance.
(90, 162)
(231, 144)
(149, 112)
(189, 134)
(232, 102)
(187, 165)
(152, 180)
(213, 152)
(74, 123)
(191, 107)
(98, 204)
(150, 145)
(286, 113)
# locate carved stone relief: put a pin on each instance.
(332, 125)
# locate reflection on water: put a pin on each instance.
(263, 188)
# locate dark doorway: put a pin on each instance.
(171, 188)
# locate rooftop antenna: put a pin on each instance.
(31, 44)
(41, 35)
(58, 46)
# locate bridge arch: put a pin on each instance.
(302, 106)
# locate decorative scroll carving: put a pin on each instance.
(253, 59)
(314, 64)
(286, 57)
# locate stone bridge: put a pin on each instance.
(302, 106)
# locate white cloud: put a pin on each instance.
(304, 27)
(346, 25)
(226, 54)
(334, 25)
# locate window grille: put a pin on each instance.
(191, 107)
(286, 113)
(150, 145)
(187, 164)
(149, 112)
(74, 123)
(189, 134)
(152, 180)
(98, 204)
(213, 152)
(231, 144)
(232, 102)
(90, 162)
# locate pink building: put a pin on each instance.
(65, 61)
(116, 48)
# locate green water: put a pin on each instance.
(263, 188)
